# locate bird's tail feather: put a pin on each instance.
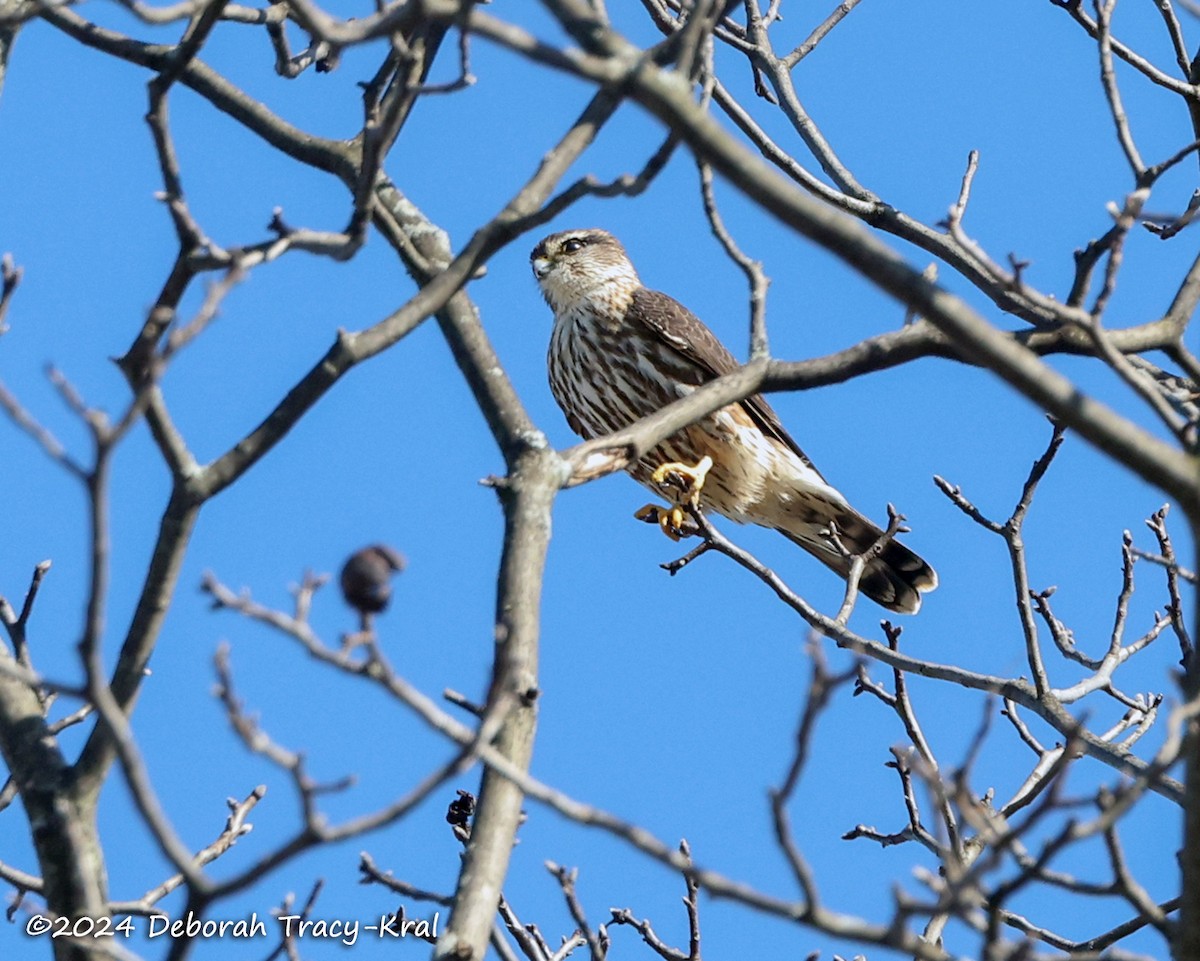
(895, 579)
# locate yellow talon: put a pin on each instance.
(683, 484)
(670, 520)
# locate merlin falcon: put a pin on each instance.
(620, 351)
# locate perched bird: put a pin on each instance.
(620, 351)
(366, 580)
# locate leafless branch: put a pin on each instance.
(10, 278)
(236, 826)
(596, 940)
(819, 33)
(1104, 10)
(753, 269)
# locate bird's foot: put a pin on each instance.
(671, 520)
(681, 483)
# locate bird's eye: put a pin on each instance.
(572, 245)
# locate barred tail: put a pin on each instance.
(895, 579)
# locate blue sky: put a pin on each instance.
(669, 701)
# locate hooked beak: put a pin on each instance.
(541, 267)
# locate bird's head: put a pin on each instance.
(576, 267)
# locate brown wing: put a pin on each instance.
(689, 336)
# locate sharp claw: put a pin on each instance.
(672, 521)
(649, 513)
(681, 482)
